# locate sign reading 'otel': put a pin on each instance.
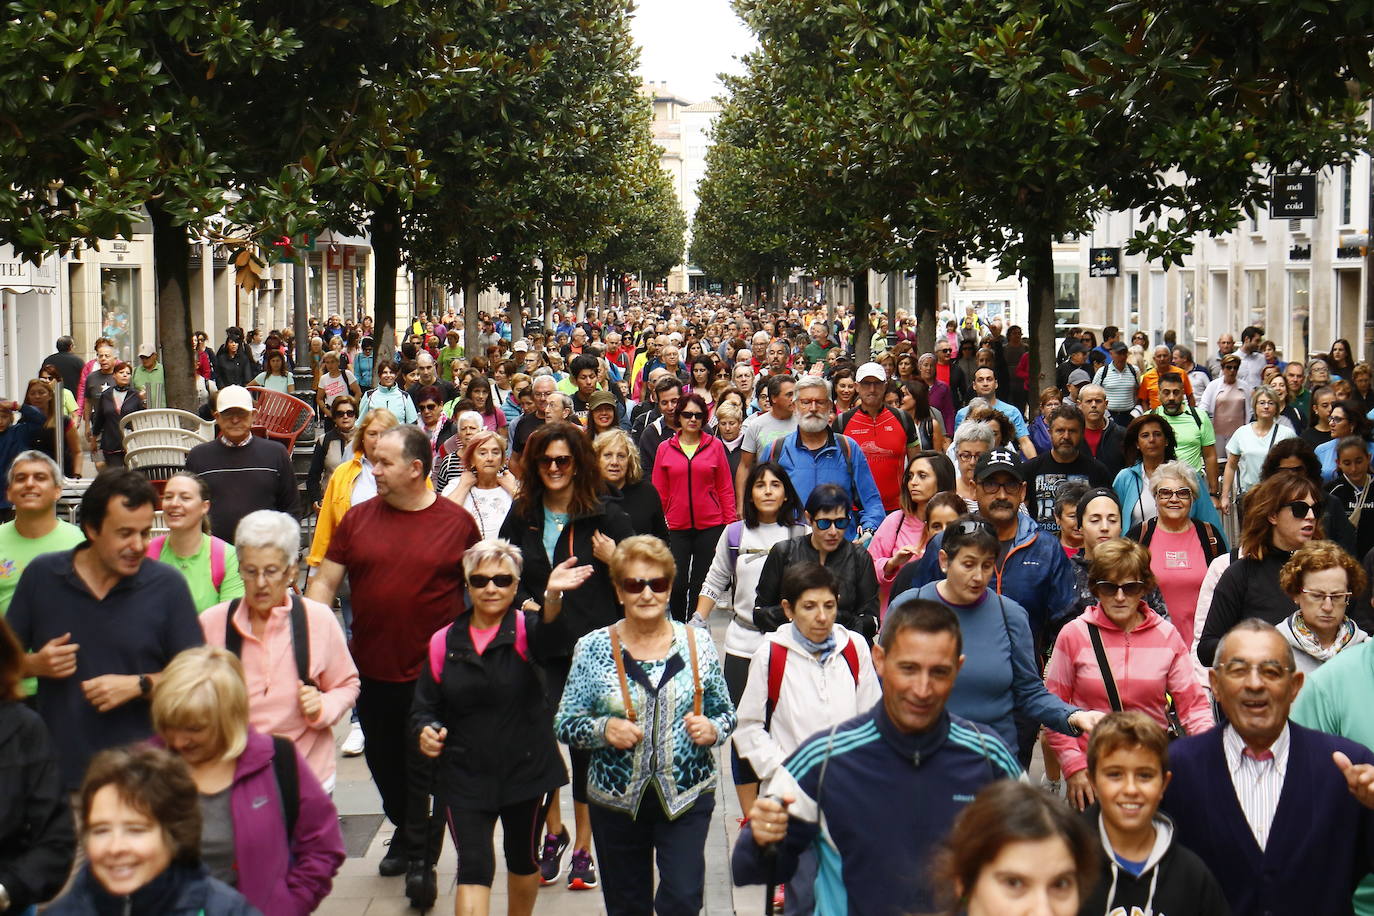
(1294, 197)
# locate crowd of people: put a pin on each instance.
(1149, 581)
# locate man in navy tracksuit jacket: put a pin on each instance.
(876, 794)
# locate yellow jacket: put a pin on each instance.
(337, 499)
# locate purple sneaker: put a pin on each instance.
(582, 874)
(551, 860)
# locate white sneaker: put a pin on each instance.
(353, 744)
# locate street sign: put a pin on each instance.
(1104, 262)
(1294, 197)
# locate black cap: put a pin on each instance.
(1119, 346)
(1076, 347)
(997, 461)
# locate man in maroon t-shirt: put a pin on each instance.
(886, 435)
(403, 552)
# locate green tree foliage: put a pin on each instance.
(961, 128)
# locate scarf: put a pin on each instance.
(823, 649)
(1307, 640)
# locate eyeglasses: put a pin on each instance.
(1300, 509)
(967, 456)
(690, 415)
(1103, 587)
(269, 574)
(658, 584)
(1322, 597)
(825, 524)
(504, 580)
(1271, 671)
(555, 461)
(813, 403)
(992, 486)
(340, 414)
(1182, 494)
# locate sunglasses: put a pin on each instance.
(690, 415)
(555, 461)
(658, 584)
(345, 413)
(504, 580)
(1129, 589)
(839, 524)
(969, 526)
(1299, 508)
(1183, 494)
(429, 406)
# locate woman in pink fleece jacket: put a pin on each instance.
(1147, 658)
(693, 478)
(902, 536)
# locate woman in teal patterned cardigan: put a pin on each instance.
(646, 696)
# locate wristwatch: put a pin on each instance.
(145, 686)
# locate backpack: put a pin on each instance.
(438, 646)
(777, 665)
(300, 637)
(286, 771)
(1101, 375)
(217, 548)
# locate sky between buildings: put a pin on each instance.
(688, 42)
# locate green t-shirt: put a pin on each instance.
(17, 552)
(446, 356)
(154, 383)
(196, 570)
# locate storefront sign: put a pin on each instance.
(1104, 262)
(20, 276)
(1294, 197)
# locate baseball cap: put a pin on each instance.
(1119, 346)
(1079, 377)
(1076, 347)
(147, 349)
(999, 460)
(600, 399)
(871, 371)
(233, 397)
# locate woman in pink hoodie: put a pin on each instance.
(693, 478)
(1147, 659)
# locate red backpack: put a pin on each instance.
(777, 665)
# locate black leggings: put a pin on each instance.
(522, 823)
(693, 549)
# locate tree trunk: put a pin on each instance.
(472, 290)
(927, 302)
(1040, 296)
(517, 310)
(863, 330)
(385, 229)
(546, 276)
(171, 265)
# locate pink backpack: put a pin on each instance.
(438, 646)
(217, 548)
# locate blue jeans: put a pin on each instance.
(627, 847)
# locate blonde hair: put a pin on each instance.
(490, 550)
(204, 688)
(634, 471)
(379, 415)
(642, 548)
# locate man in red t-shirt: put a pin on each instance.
(886, 435)
(403, 552)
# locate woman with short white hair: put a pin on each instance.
(296, 691)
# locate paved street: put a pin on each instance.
(359, 890)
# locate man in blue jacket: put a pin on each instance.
(836, 792)
(815, 454)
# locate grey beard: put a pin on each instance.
(813, 424)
